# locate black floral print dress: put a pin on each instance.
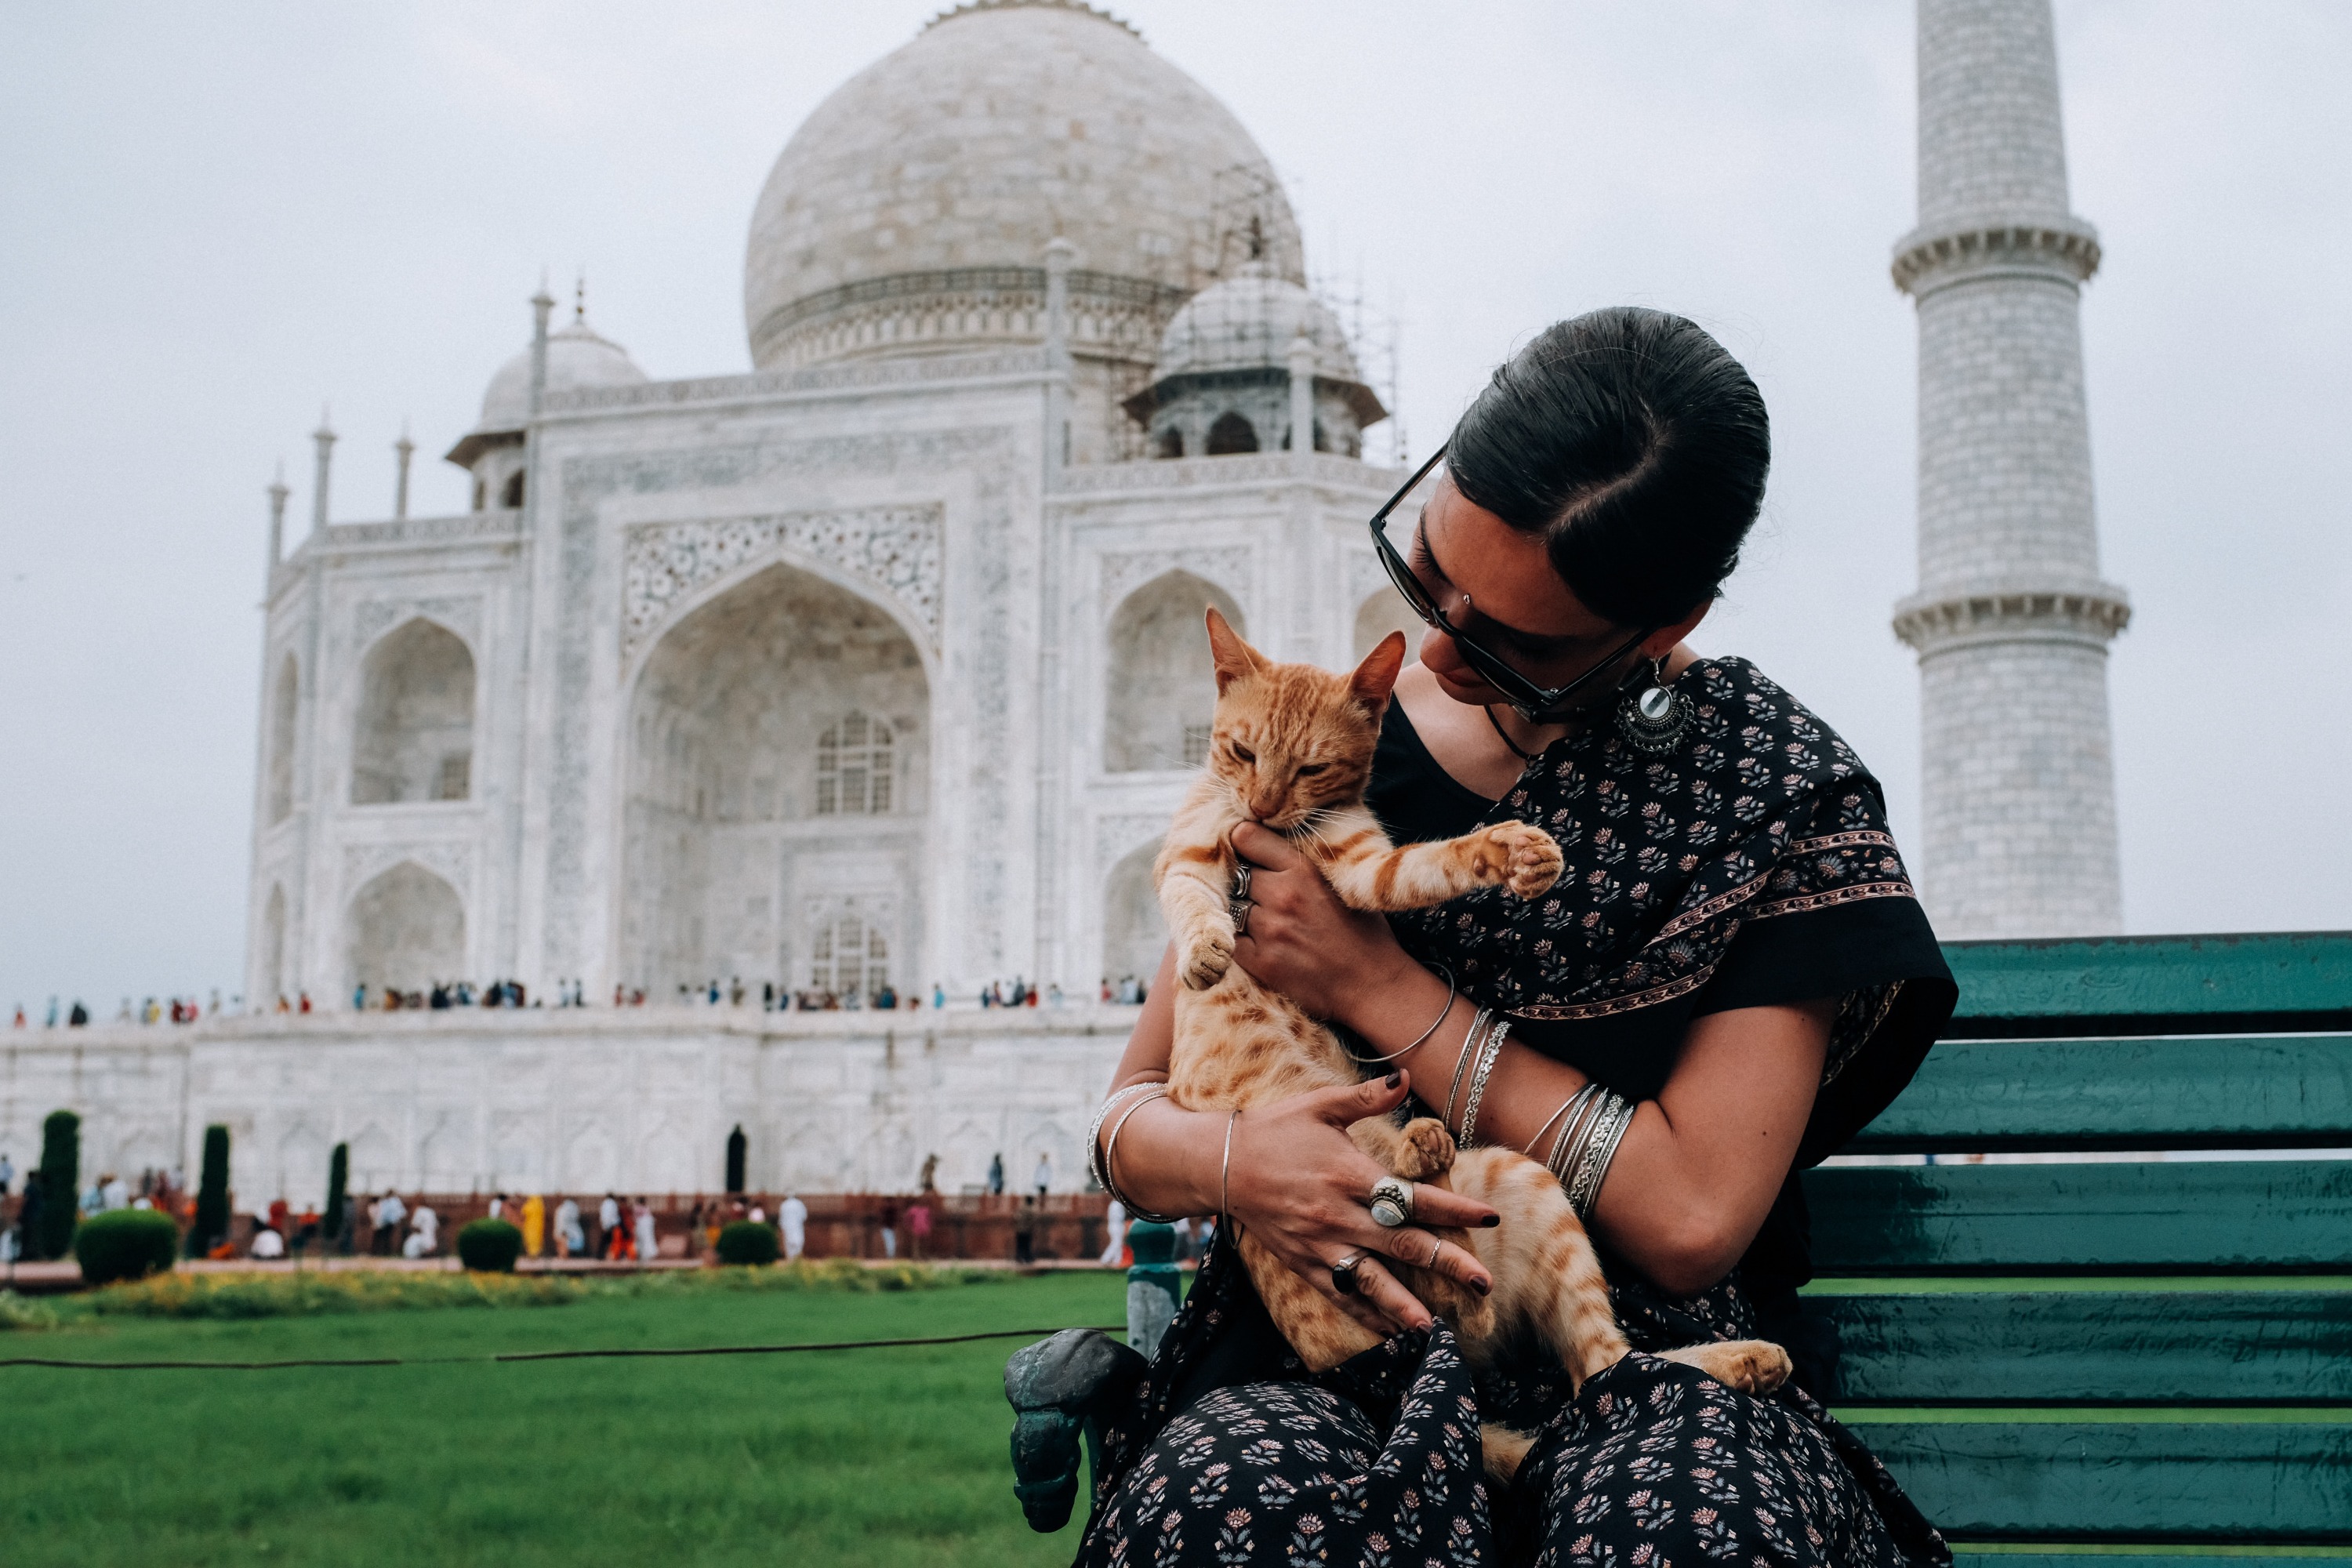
(1749, 867)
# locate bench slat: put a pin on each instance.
(2123, 1347)
(2263, 1482)
(2232, 1091)
(2152, 984)
(2187, 1218)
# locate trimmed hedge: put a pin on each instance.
(125, 1244)
(489, 1246)
(747, 1241)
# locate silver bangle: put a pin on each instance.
(1225, 1172)
(1592, 1163)
(1372, 1061)
(1469, 1049)
(1110, 1159)
(1094, 1130)
(1495, 1034)
(1568, 1108)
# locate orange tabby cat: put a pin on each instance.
(1292, 749)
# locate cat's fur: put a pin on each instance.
(1292, 749)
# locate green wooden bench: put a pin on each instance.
(2139, 1361)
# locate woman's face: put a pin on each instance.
(1497, 586)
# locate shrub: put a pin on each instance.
(125, 1244)
(211, 1228)
(17, 1313)
(337, 1220)
(747, 1241)
(489, 1246)
(312, 1293)
(60, 1182)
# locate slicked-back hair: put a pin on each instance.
(1635, 446)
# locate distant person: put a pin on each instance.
(1043, 1177)
(1024, 1231)
(1114, 1252)
(389, 1213)
(423, 1234)
(268, 1245)
(648, 1237)
(996, 1174)
(7, 1174)
(918, 1229)
(794, 1217)
(497, 1206)
(534, 1224)
(889, 1227)
(79, 1016)
(571, 1235)
(608, 1224)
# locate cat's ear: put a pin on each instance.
(1377, 675)
(1234, 658)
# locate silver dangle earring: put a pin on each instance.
(1654, 719)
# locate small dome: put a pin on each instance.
(1247, 322)
(576, 356)
(947, 166)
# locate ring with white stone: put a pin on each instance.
(1391, 1201)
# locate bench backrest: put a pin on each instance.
(2149, 1343)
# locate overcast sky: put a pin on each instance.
(218, 217)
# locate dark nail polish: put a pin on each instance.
(1490, 1222)
(1395, 1078)
(1481, 1286)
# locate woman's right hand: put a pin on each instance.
(1301, 1188)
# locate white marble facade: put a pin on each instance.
(883, 661)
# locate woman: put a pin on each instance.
(1734, 958)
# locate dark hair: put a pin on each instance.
(1635, 446)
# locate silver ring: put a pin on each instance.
(1343, 1274)
(1391, 1201)
(1241, 883)
(1240, 910)
(1436, 1244)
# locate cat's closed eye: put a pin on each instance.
(1243, 754)
(1307, 768)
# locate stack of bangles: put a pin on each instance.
(1591, 1124)
(1102, 1153)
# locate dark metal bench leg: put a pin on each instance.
(1059, 1389)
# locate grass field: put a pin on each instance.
(865, 1456)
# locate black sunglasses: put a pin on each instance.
(1536, 704)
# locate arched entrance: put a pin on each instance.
(415, 739)
(1135, 933)
(1163, 691)
(282, 703)
(777, 780)
(1385, 612)
(405, 929)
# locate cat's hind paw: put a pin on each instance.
(1203, 957)
(1527, 859)
(1503, 1451)
(1751, 1366)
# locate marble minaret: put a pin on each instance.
(2011, 620)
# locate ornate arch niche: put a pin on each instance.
(413, 739)
(284, 697)
(733, 822)
(1384, 611)
(1162, 689)
(405, 928)
(1135, 933)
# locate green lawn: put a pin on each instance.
(864, 1457)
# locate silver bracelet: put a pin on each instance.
(1111, 1162)
(1225, 1172)
(1094, 1130)
(1572, 1136)
(1592, 1163)
(1469, 1050)
(1495, 1034)
(1373, 1061)
(1572, 1108)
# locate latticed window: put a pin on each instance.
(1196, 744)
(848, 957)
(853, 768)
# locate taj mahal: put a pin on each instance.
(881, 666)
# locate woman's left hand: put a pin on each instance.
(1302, 941)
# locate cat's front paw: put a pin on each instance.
(1424, 1150)
(1526, 859)
(1751, 1366)
(1202, 958)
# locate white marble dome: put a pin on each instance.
(576, 356)
(1247, 322)
(1000, 127)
